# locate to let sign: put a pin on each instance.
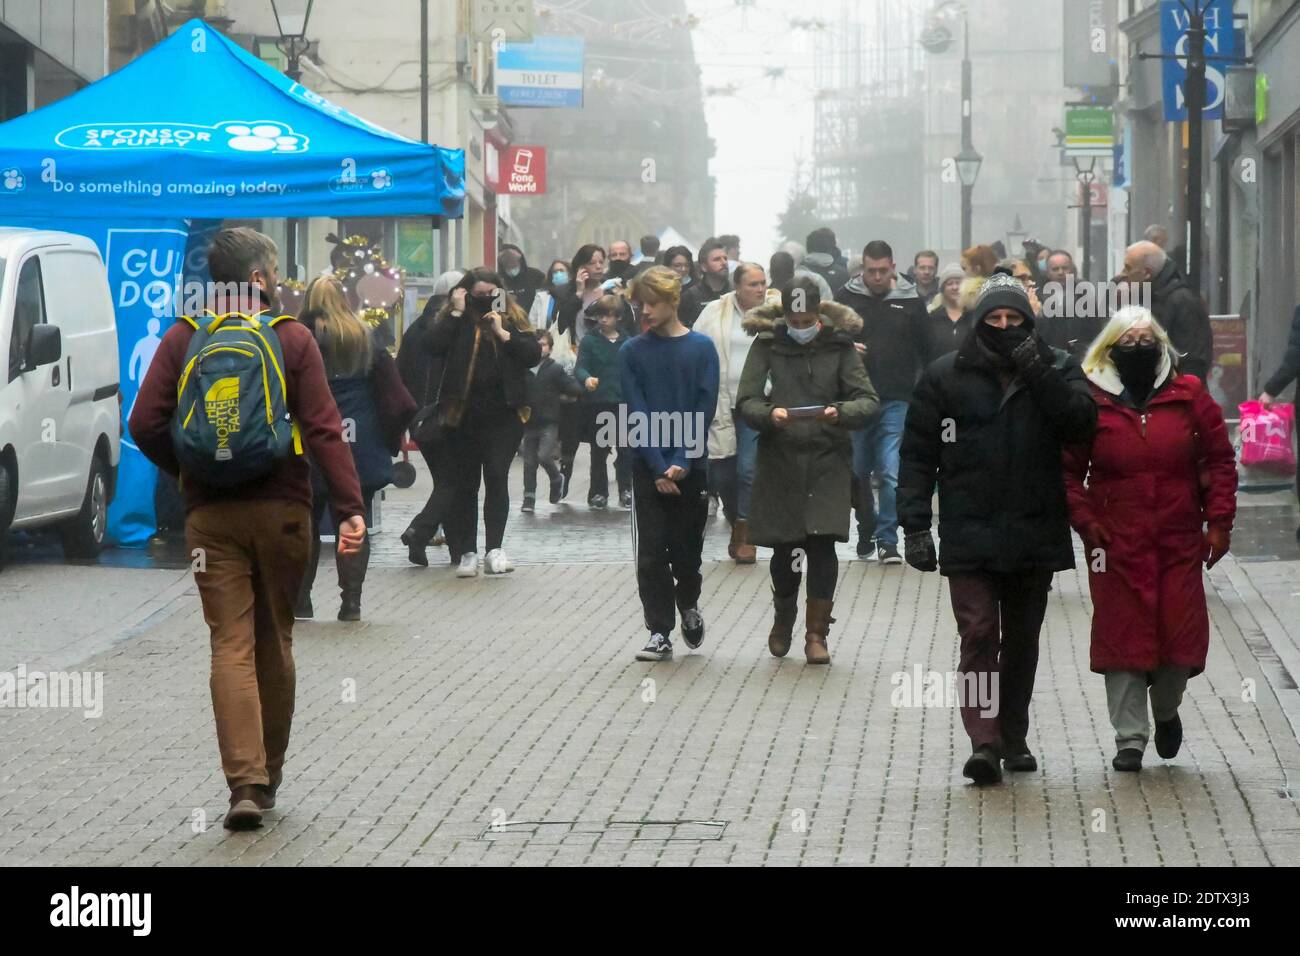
(523, 171)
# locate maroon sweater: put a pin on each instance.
(310, 403)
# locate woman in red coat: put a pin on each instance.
(1159, 501)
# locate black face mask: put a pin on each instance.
(481, 304)
(1137, 366)
(618, 269)
(1000, 343)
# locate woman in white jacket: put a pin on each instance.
(733, 445)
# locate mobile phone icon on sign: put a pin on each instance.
(524, 162)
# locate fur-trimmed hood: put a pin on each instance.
(839, 318)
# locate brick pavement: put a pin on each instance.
(516, 700)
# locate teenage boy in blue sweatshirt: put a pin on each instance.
(670, 386)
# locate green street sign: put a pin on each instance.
(1261, 100)
(1089, 131)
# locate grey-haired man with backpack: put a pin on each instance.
(231, 402)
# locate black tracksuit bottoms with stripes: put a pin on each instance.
(669, 543)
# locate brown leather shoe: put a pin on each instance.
(819, 623)
(786, 609)
(245, 811)
(741, 550)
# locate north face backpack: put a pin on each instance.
(232, 421)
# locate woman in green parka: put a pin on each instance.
(819, 394)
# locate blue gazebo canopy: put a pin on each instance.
(199, 128)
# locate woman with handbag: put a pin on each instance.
(485, 347)
(375, 408)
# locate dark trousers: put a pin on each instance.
(817, 556)
(479, 452)
(999, 617)
(351, 568)
(425, 524)
(570, 437)
(724, 484)
(541, 447)
(669, 544)
(600, 470)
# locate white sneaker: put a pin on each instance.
(468, 567)
(497, 562)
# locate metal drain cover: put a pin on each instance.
(612, 831)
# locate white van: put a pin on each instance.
(60, 406)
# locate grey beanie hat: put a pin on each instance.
(1002, 291)
(951, 271)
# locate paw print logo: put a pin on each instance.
(381, 179)
(13, 180)
(264, 138)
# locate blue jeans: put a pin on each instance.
(875, 449)
(746, 462)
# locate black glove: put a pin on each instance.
(918, 548)
(1026, 354)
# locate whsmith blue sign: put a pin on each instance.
(546, 72)
(1220, 41)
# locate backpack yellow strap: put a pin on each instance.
(297, 438)
(217, 320)
(278, 319)
(193, 322)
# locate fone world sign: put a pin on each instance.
(523, 171)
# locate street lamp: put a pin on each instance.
(1085, 168)
(936, 38)
(291, 18)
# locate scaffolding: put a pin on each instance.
(869, 119)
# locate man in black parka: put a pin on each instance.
(986, 425)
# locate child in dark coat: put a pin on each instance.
(548, 385)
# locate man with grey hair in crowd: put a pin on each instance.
(1157, 234)
(1176, 305)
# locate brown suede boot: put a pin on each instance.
(819, 622)
(741, 550)
(782, 633)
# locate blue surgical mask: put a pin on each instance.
(513, 273)
(559, 278)
(804, 336)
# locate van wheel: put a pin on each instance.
(8, 500)
(83, 536)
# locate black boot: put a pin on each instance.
(415, 548)
(352, 575)
(982, 767)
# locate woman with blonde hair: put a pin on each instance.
(1153, 497)
(375, 408)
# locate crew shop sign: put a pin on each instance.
(523, 171)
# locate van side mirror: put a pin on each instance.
(44, 347)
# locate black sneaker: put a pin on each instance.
(1128, 760)
(658, 648)
(564, 487)
(887, 553)
(1169, 737)
(866, 548)
(693, 627)
(982, 767)
(598, 502)
(557, 487)
(625, 499)
(529, 506)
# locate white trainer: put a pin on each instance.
(468, 567)
(497, 562)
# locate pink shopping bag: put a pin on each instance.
(1266, 436)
